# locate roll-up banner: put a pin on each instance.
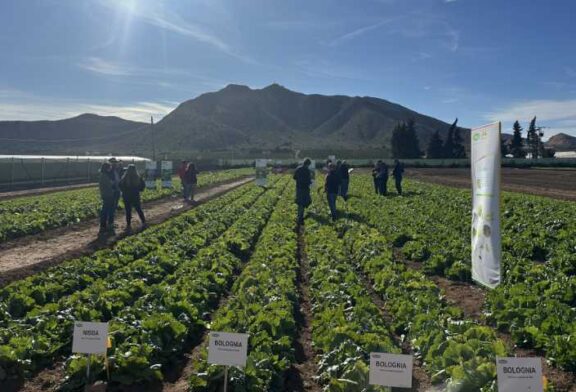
(150, 175)
(166, 174)
(485, 168)
(261, 171)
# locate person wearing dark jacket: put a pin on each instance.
(132, 185)
(181, 170)
(375, 172)
(116, 174)
(344, 174)
(332, 186)
(189, 182)
(380, 174)
(106, 187)
(303, 179)
(397, 172)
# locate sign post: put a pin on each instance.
(166, 174)
(485, 235)
(228, 349)
(261, 172)
(150, 174)
(391, 370)
(519, 374)
(90, 338)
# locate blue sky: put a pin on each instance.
(478, 60)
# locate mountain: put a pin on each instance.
(562, 142)
(237, 121)
(77, 134)
(238, 118)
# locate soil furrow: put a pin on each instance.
(40, 252)
(301, 376)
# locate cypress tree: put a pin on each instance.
(516, 147)
(412, 143)
(449, 142)
(434, 149)
(533, 139)
(459, 149)
(404, 142)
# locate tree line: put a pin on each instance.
(519, 147)
(405, 143)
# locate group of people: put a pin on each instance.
(380, 176)
(116, 182)
(189, 177)
(337, 182)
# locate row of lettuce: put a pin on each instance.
(33, 214)
(346, 323)
(148, 286)
(536, 302)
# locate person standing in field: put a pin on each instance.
(375, 171)
(303, 179)
(380, 175)
(189, 182)
(132, 185)
(344, 174)
(116, 176)
(397, 172)
(331, 187)
(181, 171)
(106, 187)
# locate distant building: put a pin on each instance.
(565, 154)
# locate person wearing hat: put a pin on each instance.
(303, 179)
(132, 185)
(116, 176)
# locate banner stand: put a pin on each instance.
(485, 236)
(225, 378)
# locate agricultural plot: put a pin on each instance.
(34, 214)
(536, 301)
(240, 264)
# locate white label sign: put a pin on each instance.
(90, 338)
(519, 374)
(228, 349)
(391, 370)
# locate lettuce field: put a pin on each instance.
(315, 299)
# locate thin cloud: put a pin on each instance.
(34, 108)
(361, 31)
(100, 66)
(545, 110)
(154, 14)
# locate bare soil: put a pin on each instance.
(557, 184)
(29, 255)
(468, 297)
(300, 377)
(471, 299)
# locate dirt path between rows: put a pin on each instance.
(420, 380)
(300, 376)
(30, 255)
(471, 300)
(557, 184)
(40, 191)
